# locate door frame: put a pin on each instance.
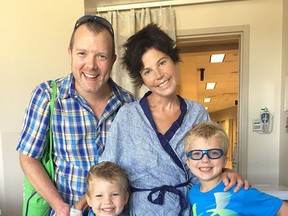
(242, 33)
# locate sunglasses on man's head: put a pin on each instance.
(90, 18)
(211, 153)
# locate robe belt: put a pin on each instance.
(159, 200)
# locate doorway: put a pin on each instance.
(228, 105)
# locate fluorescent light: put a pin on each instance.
(216, 58)
(210, 85)
(206, 108)
(207, 100)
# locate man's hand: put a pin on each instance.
(230, 178)
(63, 210)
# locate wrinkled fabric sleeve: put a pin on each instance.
(33, 140)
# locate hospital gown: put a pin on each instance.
(134, 143)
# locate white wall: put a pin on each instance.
(284, 115)
(34, 40)
(2, 188)
(265, 58)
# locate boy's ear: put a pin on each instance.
(187, 161)
(126, 198)
(88, 200)
(225, 161)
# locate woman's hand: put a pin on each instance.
(230, 178)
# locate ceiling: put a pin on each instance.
(195, 54)
(91, 5)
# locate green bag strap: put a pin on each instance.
(54, 91)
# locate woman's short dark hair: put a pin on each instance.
(137, 45)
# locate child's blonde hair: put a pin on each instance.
(107, 171)
(206, 130)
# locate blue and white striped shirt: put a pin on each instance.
(78, 135)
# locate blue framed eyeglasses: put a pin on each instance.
(198, 154)
(91, 18)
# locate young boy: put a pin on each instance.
(206, 147)
(107, 189)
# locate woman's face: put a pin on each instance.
(159, 73)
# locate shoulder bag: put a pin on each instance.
(33, 203)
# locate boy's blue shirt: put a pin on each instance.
(243, 203)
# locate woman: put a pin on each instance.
(146, 137)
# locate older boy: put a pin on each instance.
(206, 147)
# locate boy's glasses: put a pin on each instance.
(199, 154)
(90, 18)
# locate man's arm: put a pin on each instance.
(283, 210)
(230, 178)
(41, 182)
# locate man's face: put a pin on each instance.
(92, 58)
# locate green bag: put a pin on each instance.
(33, 203)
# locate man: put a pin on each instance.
(86, 103)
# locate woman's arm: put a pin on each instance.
(81, 204)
